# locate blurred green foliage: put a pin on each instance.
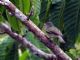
(64, 14)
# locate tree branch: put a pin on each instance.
(26, 43)
(33, 28)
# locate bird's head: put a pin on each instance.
(48, 24)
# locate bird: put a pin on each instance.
(53, 31)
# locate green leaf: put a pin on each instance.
(36, 6)
(1, 12)
(47, 10)
(1, 18)
(73, 52)
(13, 21)
(77, 44)
(71, 18)
(65, 15)
(34, 40)
(26, 6)
(1, 9)
(8, 49)
(16, 3)
(25, 55)
(35, 19)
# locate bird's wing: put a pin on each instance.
(55, 31)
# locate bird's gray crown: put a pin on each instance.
(49, 24)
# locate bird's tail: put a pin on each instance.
(61, 39)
